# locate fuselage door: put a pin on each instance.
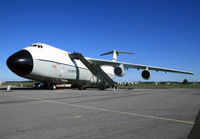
(59, 70)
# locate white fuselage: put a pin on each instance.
(53, 65)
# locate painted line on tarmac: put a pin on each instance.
(108, 110)
(77, 117)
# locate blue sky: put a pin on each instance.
(161, 33)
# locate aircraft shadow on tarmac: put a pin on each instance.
(32, 88)
(194, 133)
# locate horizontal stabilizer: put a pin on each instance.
(115, 54)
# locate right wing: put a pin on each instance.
(136, 66)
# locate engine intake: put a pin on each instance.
(119, 71)
(146, 74)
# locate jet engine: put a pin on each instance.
(119, 71)
(145, 74)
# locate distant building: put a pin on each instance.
(195, 83)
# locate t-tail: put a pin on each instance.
(115, 54)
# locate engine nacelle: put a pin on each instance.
(119, 71)
(145, 74)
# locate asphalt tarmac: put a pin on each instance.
(93, 114)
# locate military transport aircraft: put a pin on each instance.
(52, 66)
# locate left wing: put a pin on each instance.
(136, 66)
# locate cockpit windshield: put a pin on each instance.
(36, 45)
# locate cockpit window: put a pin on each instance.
(40, 46)
(35, 45)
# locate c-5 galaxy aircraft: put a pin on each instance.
(52, 66)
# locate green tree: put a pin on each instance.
(185, 81)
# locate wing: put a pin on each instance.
(136, 66)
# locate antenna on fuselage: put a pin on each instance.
(115, 54)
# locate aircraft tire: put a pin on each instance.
(52, 87)
(80, 87)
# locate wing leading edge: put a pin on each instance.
(136, 66)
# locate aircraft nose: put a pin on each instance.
(21, 63)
